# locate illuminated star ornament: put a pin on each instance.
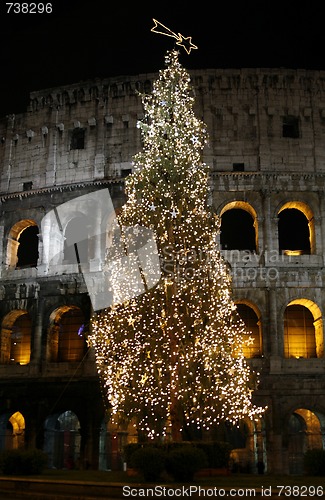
(182, 41)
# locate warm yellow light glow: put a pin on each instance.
(293, 253)
(303, 330)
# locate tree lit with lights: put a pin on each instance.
(172, 356)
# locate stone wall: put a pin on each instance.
(244, 111)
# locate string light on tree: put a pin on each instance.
(174, 354)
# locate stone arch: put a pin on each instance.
(62, 440)
(303, 329)
(74, 232)
(251, 316)
(12, 431)
(296, 228)
(64, 232)
(16, 332)
(67, 335)
(305, 430)
(22, 246)
(239, 227)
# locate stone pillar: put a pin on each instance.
(12, 251)
(321, 250)
(315, 235)
(38, 330)
(31, 433)
(51, 167)
(273, 322)
(84, 444)
(96, 243)
(1, 246)
(276, 459)
(275, 343)
(96, 431)
(319, 335)
(53, 242)
(266, 221)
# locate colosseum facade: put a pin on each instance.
(266, 154)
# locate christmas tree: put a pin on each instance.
(173, 356)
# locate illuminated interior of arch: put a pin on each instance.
(66, 340)
(307, 212)
(251, 317)
(16, 338)
(246, 207)
(303, 330)
(17, 422)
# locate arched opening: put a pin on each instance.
(27, 254)
(67, 335)
(252, 347)
(305, 431)
(239, 227)
(76, 242)
(12, 431)
(22, 249)
(247, 442)
(62, 440)
(303, 330)
(16, 338)
(296, 229)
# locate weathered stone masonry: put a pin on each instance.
(267, 156)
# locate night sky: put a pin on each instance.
(82, 40)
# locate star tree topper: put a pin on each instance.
(182, 41)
